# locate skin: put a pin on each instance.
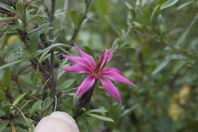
(57, 122)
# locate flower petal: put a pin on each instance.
(117, 77)
(105, 57)
(110, 88)
(87, 57)
(78, 60)
(111, 69)
(86, 85)
(76, 69)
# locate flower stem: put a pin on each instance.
(83, 101)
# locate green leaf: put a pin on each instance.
(42, 28)
(88, 126)
(102, 7)
(34, 40)
(24, 104)
(128, 5)
(6, 7)
(155, 11)
(66, 84)
(2, 113)
(3, 125)
(127, 111)
(19, 98)
(45, 51)
(101, 110)
(38, 19)
(115, 44)
(10, 64)
(6, 81)
(182, 38)
(36, 106)
(184, 5)
(6, 19)
(76, 17)
(168, 3)
(46, 102)
(101, 117)
(20, 8)
(137, 25)
(89, 50)
(63, 64)
(113, 26)
(162, 65)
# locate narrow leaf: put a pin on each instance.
(155, 10)
(46, 50)
(19, 98)
(182, 38)
(66, 84)
(113, 26)
(36, 106)
(7, 19)
(20, 8)
(162, 65)
(101, 110)
(10, 64)
(168, 3)
(101, 117)
(3, 125)
(184, 5)
(6, 81)
(6, 7)
(34, 40)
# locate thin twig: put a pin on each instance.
(55, 102)
(36, 30)
(22, 114)
(45, 83)
(69, 90)
(48, 107)
(6, 12)
(77, 29)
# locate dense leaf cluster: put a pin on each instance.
(154, 43)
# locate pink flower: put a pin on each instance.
(86, 64)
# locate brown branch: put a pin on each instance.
(6, 12)
(10, 3)
(51, 36)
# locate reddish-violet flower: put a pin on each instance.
(86, 64)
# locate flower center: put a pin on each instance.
(97, 71)
(99, 67)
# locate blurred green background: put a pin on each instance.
(154, 43)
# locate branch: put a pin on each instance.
(51, 36)
(22, 114)
(51, 17)
(35, 63)
(77, 29)
(47, 68)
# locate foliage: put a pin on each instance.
(155, 45)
